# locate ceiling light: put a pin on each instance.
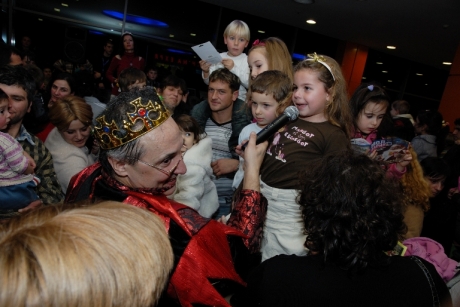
(305, 1)
(65, 4)
(311, 22)
(426, 83)
(57, 10)
(391, 47)
(418, 74)
(378, 63)
(390, 80)
(171, 35)
(384, 71)
(260, 31)
(136, 19)
(192, 34)
(364, 78)
(39, 19)
(446, 63)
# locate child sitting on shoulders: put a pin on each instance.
(17, 182)
(236, 37)
(195, 188)
(270, 93)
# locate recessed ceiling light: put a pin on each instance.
(378, 63)
(419, 74)
(171, 35)
(446, 63)
(261, 31)
(65, 4)
(364, 78)
(390, 80)
(426, 83)
(192, 34)
(57, 10)
(311, 22)
(39, 19)
(391, 47)
(384, 71)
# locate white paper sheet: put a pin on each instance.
(208, 53)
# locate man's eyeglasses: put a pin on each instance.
(171, 171)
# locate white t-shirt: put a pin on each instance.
(240, 68)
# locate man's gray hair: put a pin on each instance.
(117, 110)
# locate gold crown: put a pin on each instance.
(111, 136)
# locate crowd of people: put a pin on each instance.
(118, 189)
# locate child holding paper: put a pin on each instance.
(236, 37)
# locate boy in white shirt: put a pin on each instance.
(236, 37)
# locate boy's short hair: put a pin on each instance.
(174, 81)
(276, 84)
(238, 27)
(129, 76)
(108, 254)
(226, 76)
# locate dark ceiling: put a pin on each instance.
(424, 31)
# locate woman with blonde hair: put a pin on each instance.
(416, 197)
(72, 117)
(108, 254)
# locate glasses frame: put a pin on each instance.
(171, 171)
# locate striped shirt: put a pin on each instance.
(220, 134)
(13, 163)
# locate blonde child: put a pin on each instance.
(370, 108)
(236, 37)
(195, 188)
(321, 129)
(269, 54)
(17, 182)
(269, 94)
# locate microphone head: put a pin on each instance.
(292, 112)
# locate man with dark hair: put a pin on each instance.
(222, 117)
(172, 91)
(403, 121)
(19, 85)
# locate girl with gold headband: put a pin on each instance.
(321, 129)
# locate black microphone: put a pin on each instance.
(289, 114)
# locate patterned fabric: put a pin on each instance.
(250, 206)
(49, 190)
(13, 163)
(220, 134)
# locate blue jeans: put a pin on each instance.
(15, 197)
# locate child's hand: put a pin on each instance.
(205, 66)
(406, 159)
(228, 63)
(31, 164)
(372, 154)
(452, 192)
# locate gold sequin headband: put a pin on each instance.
(320, 59)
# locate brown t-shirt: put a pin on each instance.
(295, 147)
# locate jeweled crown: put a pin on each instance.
(110, 136)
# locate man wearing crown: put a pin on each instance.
(139, 162)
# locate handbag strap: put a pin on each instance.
(434, 292)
